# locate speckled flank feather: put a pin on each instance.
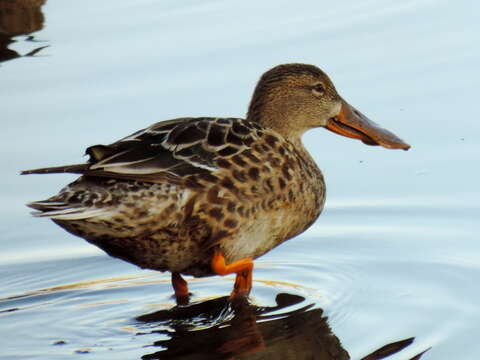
(204, 183)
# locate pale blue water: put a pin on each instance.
(394, 255)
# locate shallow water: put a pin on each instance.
(393, 256)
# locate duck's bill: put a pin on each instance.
(352, 123)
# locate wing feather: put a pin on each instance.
(169, 150)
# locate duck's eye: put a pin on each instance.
(318, 89)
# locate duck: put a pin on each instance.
(206, 196)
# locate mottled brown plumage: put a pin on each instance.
(170, 196)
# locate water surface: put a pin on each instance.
(393, 256)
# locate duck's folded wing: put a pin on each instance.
(169, 150)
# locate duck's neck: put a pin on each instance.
(281, 116)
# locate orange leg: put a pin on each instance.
(181, 288)
(243, 268)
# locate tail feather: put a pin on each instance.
(47, 205)
(63, 211)
(70, 214)
(75, 169)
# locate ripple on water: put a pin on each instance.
(371, 284)
(135, 316)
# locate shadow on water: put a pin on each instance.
(19, 17)
(223, 329)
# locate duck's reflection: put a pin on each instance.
(223, 329)
(19, 17)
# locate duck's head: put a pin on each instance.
(294, 98)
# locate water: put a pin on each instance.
(394, 255)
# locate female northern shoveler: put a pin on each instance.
(205, 196)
